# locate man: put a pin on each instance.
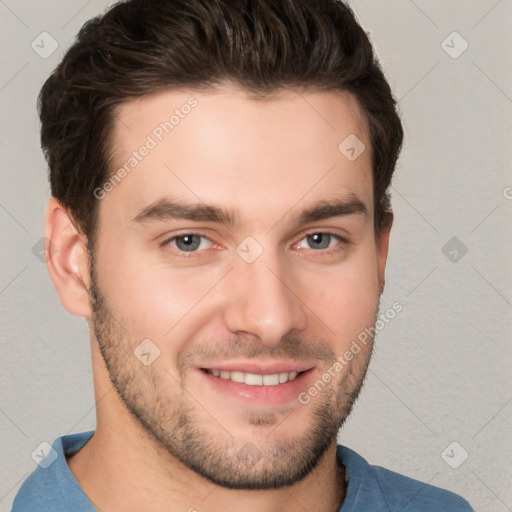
(219, 215)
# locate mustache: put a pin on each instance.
(290, 347)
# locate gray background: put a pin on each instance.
(441, 371)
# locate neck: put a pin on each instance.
(130, 473)
(122, 468)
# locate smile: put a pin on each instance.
(252, 379)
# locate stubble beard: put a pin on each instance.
(178, 426)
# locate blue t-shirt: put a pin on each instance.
(51, 487)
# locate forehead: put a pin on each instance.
(222, 146)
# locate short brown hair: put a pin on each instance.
(139, 47)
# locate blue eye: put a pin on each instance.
(189, 242)
(186, 244)
(320, 240)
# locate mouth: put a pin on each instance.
(254, 379)
(255, 385)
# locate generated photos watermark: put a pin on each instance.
(152, 140)
(342, 360)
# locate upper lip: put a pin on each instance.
(260, 368)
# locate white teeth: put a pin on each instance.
(271, 380)
(237, 377)
(253, 379)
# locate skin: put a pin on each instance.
(165, 435)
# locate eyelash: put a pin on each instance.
(192, 254)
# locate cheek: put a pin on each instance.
(346, 299)
(152, 300)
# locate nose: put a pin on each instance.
(261, 300)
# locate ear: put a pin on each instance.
(382, 247)
(67, 259)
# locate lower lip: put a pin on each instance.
(279, 394)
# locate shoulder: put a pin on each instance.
(407, 494)
(51, 486)
(396, 491)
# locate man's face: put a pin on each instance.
(270, 294)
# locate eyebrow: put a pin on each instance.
(165, 209)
